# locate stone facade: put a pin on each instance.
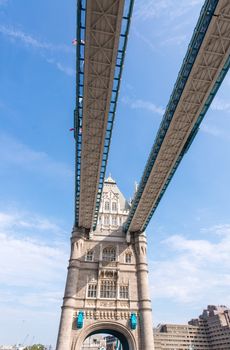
(210, 331)
(107, 281)
(180, 337)
(216, 321)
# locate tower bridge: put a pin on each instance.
(102, 32)
(107, 282)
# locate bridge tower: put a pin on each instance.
(107, 282)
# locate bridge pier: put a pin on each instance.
(107, 281)
(145, 310)
(69, 300)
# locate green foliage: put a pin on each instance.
(35, 347)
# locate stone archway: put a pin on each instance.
(119, 331)
(118, 335)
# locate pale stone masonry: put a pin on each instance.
(180, 337)
(107, 282)
(210, 331)
(216, 321)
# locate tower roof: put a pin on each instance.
(110, 180)
(110, 186)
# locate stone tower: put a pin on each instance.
(107, 283)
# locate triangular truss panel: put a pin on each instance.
(102, 32)
(203, 70)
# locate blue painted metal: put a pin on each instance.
(80, 319)
(133, 321)
(78, 113)
(206, 14)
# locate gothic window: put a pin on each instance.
(107, 205)
(128, 258)
(109, 254)
(114, 221)
(114, 206)
(108, 289)
(89, 255)
(106, 220)
(92, 290)
(99, 220)
(120, 220)
(124, 292)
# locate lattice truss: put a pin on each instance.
(103, 25)
(212, 56)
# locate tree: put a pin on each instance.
(35, 347)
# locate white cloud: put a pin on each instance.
(211, 129)
(159, 39)
(32, 273)
(220, 104)
(174, 40)
(43, 47)
(183, 8)
(195, 270)
(31, 41)
(220, 230)
(67, 70)
(174, 17)
(142, 104)
(25, 263)
(215, 131)
(30, 325)
(33, 299)
(199, 249)
(152, 9)
(20, 233)
(144, 39)
(63, 68)
(24, 221)
(15, 153)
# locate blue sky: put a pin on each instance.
(189, 235)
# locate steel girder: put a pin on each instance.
(203, 70)
(102, 31)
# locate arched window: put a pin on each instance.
(114, 206)
(92, 290)
(124, 292)
(109, 254)
(106, 220)
(128, 258)
(108, 289)
(107, 205)
(114, 221)
(89, 255)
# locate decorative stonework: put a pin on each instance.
(108, 263)
(124, 304)
(90, 303)
(108, 274)
(107, 315)
(106, 286)
(108, 304)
